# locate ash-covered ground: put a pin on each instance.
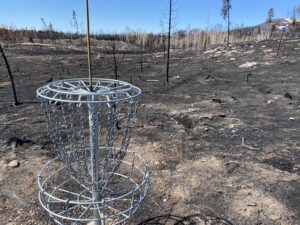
(222, 138)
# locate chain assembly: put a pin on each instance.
(92, 177)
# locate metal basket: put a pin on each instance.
(67, 202)
(90, 132)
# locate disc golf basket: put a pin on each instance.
(93, 179)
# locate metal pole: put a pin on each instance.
(94, 149)
(88, 43)
(94, 131)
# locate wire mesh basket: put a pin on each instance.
(90, 132)
(82, 123)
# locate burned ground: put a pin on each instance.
(222, 138)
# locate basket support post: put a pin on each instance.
(94, 148)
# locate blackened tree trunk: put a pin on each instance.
(225, 12)
(228, 26)
(164, 46)
(142, 55)
(169, 38)
(113, 45)
(16, 102)
(280, 41)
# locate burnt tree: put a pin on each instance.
(16, 102)
(142, 55)
(270, 15)
(113, 47)
(170, 13)
(225, 12)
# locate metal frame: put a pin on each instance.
(77, 91)
(54, 193)
(90, 149)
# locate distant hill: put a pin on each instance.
(274, 28)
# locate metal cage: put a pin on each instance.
(90, 133)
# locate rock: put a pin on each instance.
(13, 164)
(291, 119)
(248, 65)
(270, 101)
(11, 223)
(287, 95)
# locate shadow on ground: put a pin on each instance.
(200, 218)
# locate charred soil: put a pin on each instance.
(222, 138)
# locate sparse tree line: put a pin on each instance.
(178, 39)
(182, 39)
(168, 38)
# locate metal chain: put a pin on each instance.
(69, 131)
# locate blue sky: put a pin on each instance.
(115, 15)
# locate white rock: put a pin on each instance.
(291, 118)
(210, 51)
(248, 65)
(267, 50)
(14, 163)
(270, 101)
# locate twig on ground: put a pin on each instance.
(247, 146)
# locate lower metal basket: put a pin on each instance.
(68, 202)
